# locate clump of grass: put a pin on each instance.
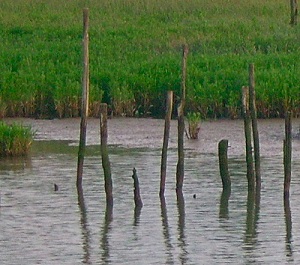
(194, 119)
(15, 140)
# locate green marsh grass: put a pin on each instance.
(15, 140)
(135, 55)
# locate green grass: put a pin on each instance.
(135, 55)
(15, 140)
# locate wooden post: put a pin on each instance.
(181, 127)
(287, 154)
(137, 197)
(294, 12)
(223, 164)
(104, 154)
(85, 98)
(247, 127)
(253, 112)
(163, 171)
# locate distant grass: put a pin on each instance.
(135, 55)
(15, 140)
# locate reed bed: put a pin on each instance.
(135, 56)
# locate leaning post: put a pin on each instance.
(104, 155)
(247, 128)
(252, 106)
(85, 98)
(180, 110)
(223, 164)
(163, 171)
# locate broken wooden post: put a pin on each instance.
(181, 127)
(294, 12)
(287, 154)
(163, 171)
(223, 164)
(247, 128)
(104, 154)
(137, 197)
(85, 98)
(252, 107)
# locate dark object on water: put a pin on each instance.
(194, 196)
(55, 187)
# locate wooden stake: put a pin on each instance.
(165, 143)
(223, 164)
(294, 12)
(137, 197)
(104, 154)
(181, 127)
(247, 127)
(252, 104)
(85, 98)
(287, 154)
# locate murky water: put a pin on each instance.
(41, 226)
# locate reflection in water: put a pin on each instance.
(288, 224)
(84, 228)
(253, 208)
(224, 212)
(166, 232)
(105, 258)
(15, 163)
(181, 228)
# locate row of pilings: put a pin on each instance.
(250, 128)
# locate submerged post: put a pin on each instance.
(180, 110)
(104, 154)
(247, 128)
(137, 197)
(255, 133)
(294, 12)
(85, 98)
(287, 154)
(163, 171)
(223, 164)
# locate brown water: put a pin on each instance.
(41, 226)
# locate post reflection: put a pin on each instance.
(253, 208)
(288, 225)
(183, 256)
(84, 227)
(224, 212)
(104, 243)
(166, 232)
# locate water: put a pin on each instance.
(41, 226)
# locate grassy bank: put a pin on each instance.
(15, 140)
(135, 55)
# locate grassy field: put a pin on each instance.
(135, 56)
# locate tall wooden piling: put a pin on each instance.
(247, 128)
(287, 154)
(294, 12)
(252, 107)
(85, 98)
(163, 171)
(137, 197)
(223, 164)
(104, 154)
(181, 127)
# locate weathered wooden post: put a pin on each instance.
(163, 171)
(137, 197)
(104, 154)
(181, 127)
(287, 154)
(252, 106)
(85, 98)
(223, 164)
(294, 12)
(247, 127)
